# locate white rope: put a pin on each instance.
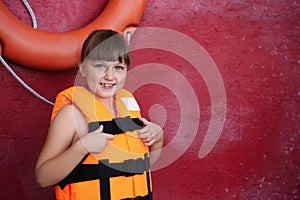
(22, 82)
(128, 37)
(32, 15)
(12, 72)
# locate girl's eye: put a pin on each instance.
(100, 66)
(119, 68)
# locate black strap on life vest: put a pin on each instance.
(105, 170)
(147, 197)
(117, 125)
(127, 168)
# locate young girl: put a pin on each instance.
(98, 146)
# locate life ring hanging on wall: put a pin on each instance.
(42, 50)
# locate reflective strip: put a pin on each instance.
(131, 103)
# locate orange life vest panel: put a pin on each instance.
(121, 171)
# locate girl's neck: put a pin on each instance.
(109, 103)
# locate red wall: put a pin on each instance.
(255, 48)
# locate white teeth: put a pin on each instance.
(107, 84)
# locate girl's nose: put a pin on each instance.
(109, 73)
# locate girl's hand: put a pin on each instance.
(96, 141)
(151, 133)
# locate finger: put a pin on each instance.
(108, 136)
(149, 143)
(100, 129)
(145, 140)
(148, 139)
(144, 120)
(143, 131)
(144, 134)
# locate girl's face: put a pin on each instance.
(104, 78)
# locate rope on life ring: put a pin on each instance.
(46, 51)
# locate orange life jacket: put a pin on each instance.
(121, 170)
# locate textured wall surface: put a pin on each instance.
(255, 46)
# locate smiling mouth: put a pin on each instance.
(107, 85)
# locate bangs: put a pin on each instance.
(109, 53)
(112, 49)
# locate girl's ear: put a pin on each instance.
(82, 69)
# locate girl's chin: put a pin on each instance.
(106, 94)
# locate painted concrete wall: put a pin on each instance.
(254, 47)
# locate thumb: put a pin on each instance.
(100, 129)
(144, 120)
(108, 136)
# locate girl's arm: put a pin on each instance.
(155, 149)
(66, 145)
(153, 136)
(60, 155)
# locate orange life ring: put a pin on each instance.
(42, 50)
